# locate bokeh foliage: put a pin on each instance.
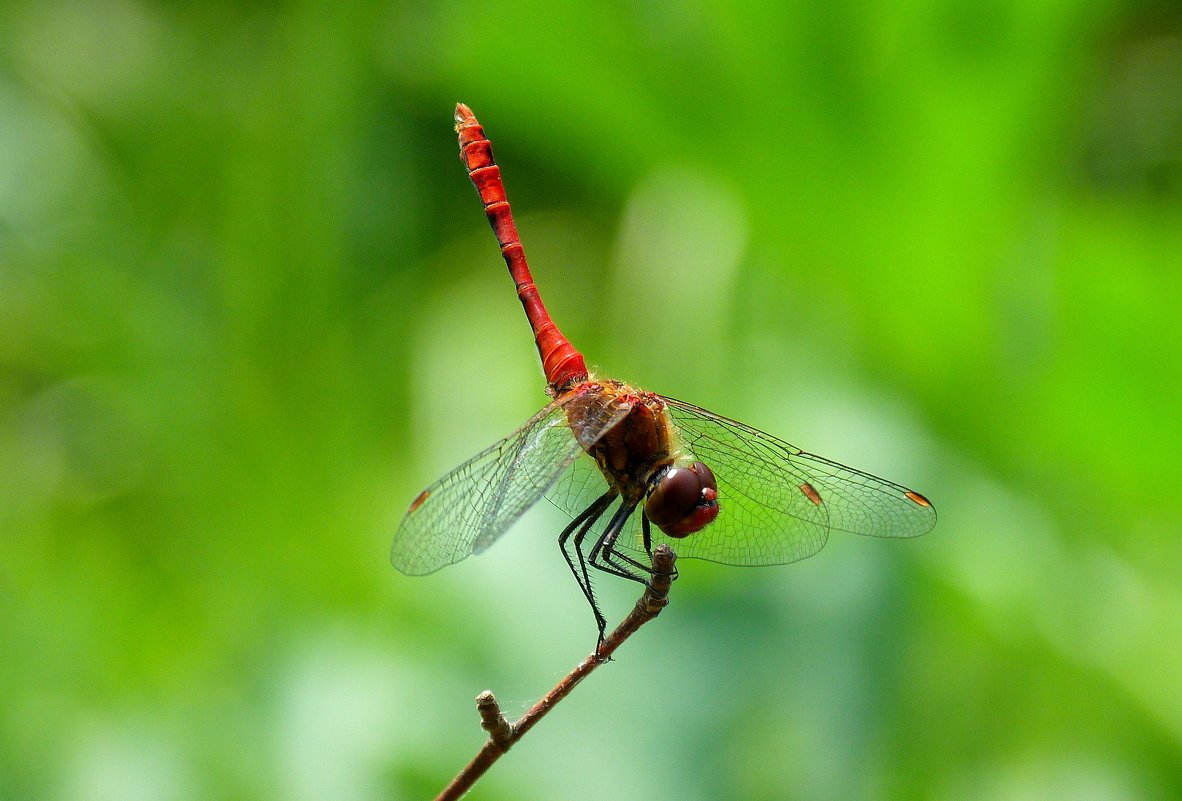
(249, 306)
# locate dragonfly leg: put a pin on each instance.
(602, 553)
(613, 556)
(614, 525)
(583, 523)
(616, 558)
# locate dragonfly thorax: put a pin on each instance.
(640, 458)
(637, 448)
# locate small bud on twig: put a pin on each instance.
(492, 721)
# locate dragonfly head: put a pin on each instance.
(683, 500)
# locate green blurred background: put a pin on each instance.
(249, 306)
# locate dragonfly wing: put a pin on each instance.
(778, 503)
(469, 508)
(578, 487)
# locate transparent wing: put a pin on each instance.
(579, 487)
(465, 511)
(777, 503)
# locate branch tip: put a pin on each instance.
(500, 730)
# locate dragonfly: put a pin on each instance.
(634, 469)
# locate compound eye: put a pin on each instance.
(684, 500)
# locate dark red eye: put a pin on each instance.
(684, 500)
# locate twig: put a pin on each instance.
(503, 734)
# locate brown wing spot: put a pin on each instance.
(417, 502)
(915, 497)
(811, 493)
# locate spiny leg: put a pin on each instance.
(610, 555)
(585, 580)
(617, 521)
(607, 557)
(584, 530)
(647, 538)
(585, 520)
(600, 558)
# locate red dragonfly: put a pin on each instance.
(712, 487)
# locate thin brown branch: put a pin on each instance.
(502, 734)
